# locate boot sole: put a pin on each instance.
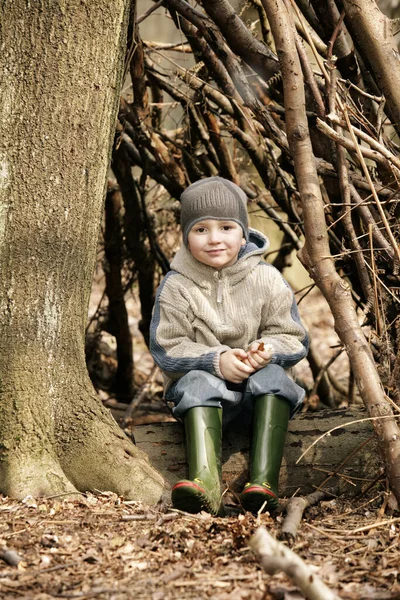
(255, 496)
(192, 498)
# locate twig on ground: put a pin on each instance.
(275, 556)
(294, 513)
(150, 517)
(328, 535)
(10, 557)
(145, 517)
(374, 525)
(92, 594)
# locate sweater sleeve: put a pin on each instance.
(281, 326)
(172, 342)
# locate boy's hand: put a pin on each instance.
(258, 355)
(232, 367)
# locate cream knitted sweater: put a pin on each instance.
(200, 312)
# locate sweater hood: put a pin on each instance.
(201, 274)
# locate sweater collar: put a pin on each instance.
(203, 275)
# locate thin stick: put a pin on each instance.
(149, 11)
(346, 460)
(348, 83)
(368, 178)
(340, 427)
(334, 538)
(323, 369)
(373, 268)
(389, 291)
(374, 526)
(93, 594)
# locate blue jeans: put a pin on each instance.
(200, 388)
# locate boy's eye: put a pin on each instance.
(200, 229)
(227, 227)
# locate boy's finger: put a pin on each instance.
(265, 355)
(252, 360)
(254, 347)
(243, 368)
(244, 360)
(238, 377)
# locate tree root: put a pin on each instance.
(37, 478)
(115, 465)
(97, 456)
(82, 449)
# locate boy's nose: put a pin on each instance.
(213, 237)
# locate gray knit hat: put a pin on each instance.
(213, 198)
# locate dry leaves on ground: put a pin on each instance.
(103, 547)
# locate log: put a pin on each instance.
(354, 444)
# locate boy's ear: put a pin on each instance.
(243, 241)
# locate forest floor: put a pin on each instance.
(108, 548)
(103, 547)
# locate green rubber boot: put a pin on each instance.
(202, 491)
(270, 423)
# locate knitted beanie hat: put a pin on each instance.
(213, 198)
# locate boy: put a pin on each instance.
(225, 332)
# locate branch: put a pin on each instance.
(373, 34)
(374, 194)
(167, 165)
(226, 163)
(348, 223)
(366, 215)
(194, 82)
(349, 145)
(275, 556)
(295, 508)
(208, 50)
(240, 39)
(283, 226)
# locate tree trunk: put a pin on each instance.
(61, 66)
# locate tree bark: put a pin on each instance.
(61, 66)
(373, 32)
(240, 39)
(317, 256)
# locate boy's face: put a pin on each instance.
(216, 243)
